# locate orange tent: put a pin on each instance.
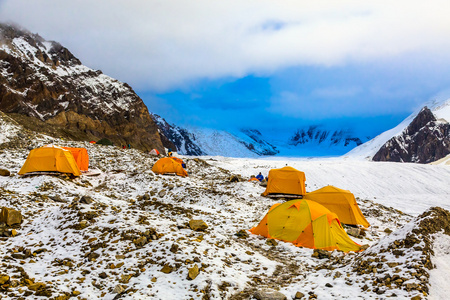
(92, 142)
(169, 165)
(50, 159)
(307, 224)
(286, 180)
(253, 179)
(81, 157)
(341, 202)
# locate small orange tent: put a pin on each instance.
(50, 159)
(81, 157)
(154, 152)
(286, 180)
(341, 202)
(307, 224)
(169, 165)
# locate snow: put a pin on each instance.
(416, 187)
(440, 289)
(240, 265)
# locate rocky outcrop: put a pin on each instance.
(43, 80)
(425, 140)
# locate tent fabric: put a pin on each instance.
(286, 180)
(169, 165)
(154, 152)
(81, 157)
(305, 223)
(50, 159)
(340, 202)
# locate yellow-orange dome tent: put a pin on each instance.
(81, 157)
(341, 202)
(286, 180)
(305, 223)
(169, 165)
(50, 159)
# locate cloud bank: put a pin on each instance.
(163, 45)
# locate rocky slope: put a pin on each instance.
(425, 140)
(43, 85)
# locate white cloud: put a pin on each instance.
(166, 43)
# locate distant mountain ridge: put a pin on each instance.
(205, 141)
(44, 82)
(316, 134)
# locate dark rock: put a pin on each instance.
(86, 200)
(320, 254)
(4, 172)
(424, 140)
(243, 234)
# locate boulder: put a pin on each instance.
(320, 254)
(269, 295)
(86, 200)
(353, 231)
(198, 225)
(193, 272)
(4, 279)
(10, 216)
(4, 172)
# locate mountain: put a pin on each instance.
(316, 135)
(424, 140)
(43, 85)
(205, 141)
(422, 137)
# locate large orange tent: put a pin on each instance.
(169, 165)
(341, 202)
(50, 159)
(81, 157)
(286, 180)
(305, 223)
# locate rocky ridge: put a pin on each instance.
(43, 83)
(425, 140)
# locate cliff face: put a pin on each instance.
(425, 140)
(43, 80)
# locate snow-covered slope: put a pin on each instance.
(440, 108)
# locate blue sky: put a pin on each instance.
(259, 63)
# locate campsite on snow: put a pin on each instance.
(94, 205)
(129, 232)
